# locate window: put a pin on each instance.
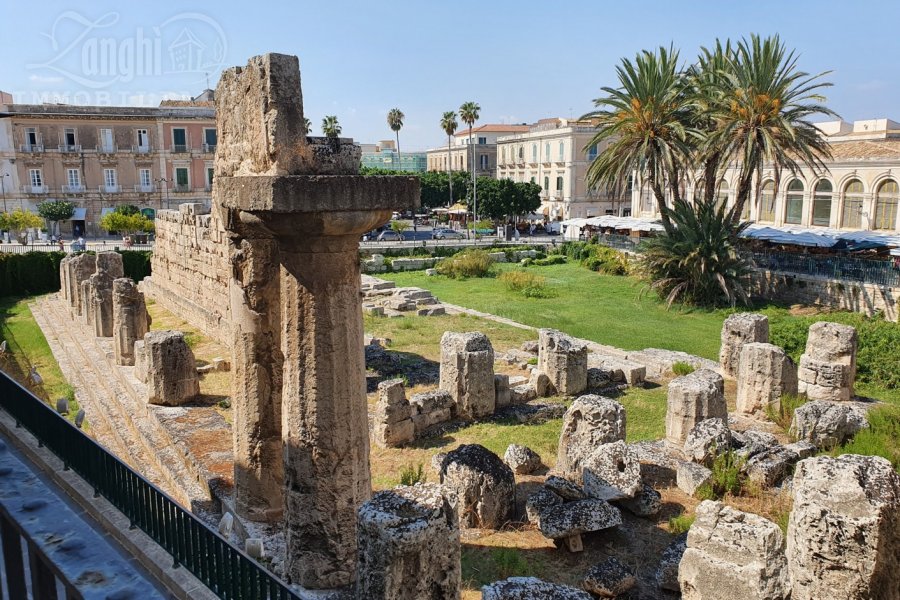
(793, 212)
(562, 151)
(482, 140)
(483, 162)
(31, 138)
(181, 179)
(69, 136)
(106, 140)
(209, 178)
(521, 153)
(767, 202)
(73, 179)
(851, 214)
(534, 153)
(143, 140)
(547, 151)
(822, 204)
(210, 138)
(886, 205)
(559, 184)
(546, 184)
(179, 139)
(109, 179)
(36, 177)
(532, 180)
(145, 178)
(592, 152)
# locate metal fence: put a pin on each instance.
(224, 569)
(866, 270)
(94, 246)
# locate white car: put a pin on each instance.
(446, 234)
(389, 235)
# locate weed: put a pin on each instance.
(509, 562)
(527, 284)
(682, 368)
(532, 361)
(783, 415)
(681, 523)
(225, 404)
(726, 478)
(881, 438)
(410, 475)
(470, 263)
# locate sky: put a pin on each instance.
(520, 61)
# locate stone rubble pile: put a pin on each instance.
(384, 298)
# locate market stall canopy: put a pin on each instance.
(79, 214)
(822, 237)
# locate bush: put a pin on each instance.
(726, 477)
(35, 273)
(606, 260)
(881, 438)
(553, 259)
(527, 284)
(784, 415)
(682, 368)
(680, 523)
(410, 475)
(470, 263)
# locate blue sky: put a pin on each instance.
(520, 61)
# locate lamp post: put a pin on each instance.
(3, 189)
(165, 181)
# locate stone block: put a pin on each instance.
(564, 360)
(706, 440)
(611, 472)
(575, 518)
(667, 571)
(501, 390)
(828, 366)
(130, 319)
(531, 588)
(539, 502)
(691, 476)
(171, 372)
(484, 486)
(766, 374)
(589, 422)
(467, 372)
(646, 503)
(691, 399)
(521, 459)
(609, 579)
(109, 268)
(826, 424)
(564, 488)
(737, 330)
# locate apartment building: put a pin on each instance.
(555, 154)
(459, 155)
(384, 155)
(100, 157)
(859, 190)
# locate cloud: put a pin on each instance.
(44, 79)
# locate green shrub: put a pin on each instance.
(784, 415)
(533, 360)
(29, 273)
(509, 562)
(527, 284)
(726, 477)
(680, 523)
(605, 260)
(682, 368)
(526, 262)
(470, 263)
(410, 475)
(136, 263)
(881, 438)
(553, 259)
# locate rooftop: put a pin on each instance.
(495, 128)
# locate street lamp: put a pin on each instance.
(3, 189)
(166, 187)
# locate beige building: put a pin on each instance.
(554, 154)
(100, 157)
(859, 191)
(484, 139)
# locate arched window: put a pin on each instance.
(562, 151)
(534, 153)
(521, 153)
(547, 152)
(722, 193)
(851, 214)
(793, 210)
(886, 205)
(767, 202)
(822, 204)
(503, 155)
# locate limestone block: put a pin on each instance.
(575, 518)
(691, 399)
(733, 554)
(564, 488)
(501, 390)
(589, 422)
(843, 538)
(737, 330)
(520, 394)
(769, 468)
(171, 373)
(467, 372)
(766, 374)
(541, 383)
(109, 268)
(531, 588)
(564, 361)
(408, 545)
(80, 268)
(430, 408)
(826, 424)
(85, 307)
(130, 319)
(646, 503)
(691, 476)
(611, 472)
(609, 579)
(540, 501)
(750, 442)
(521, 459)
(828, 366)
(706, 440)
(659, 462)
(667, 571)
(484, 485)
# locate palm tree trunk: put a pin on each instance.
(398, 150)
(710, 172)
(450, 170)
(743, 192)
(661, 204)
(474, 185)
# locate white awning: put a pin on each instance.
(79, 214)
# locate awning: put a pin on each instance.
(79, 214)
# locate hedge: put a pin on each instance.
(34, 273)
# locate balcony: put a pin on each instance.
(69, 148)
(141, 149)
(107, 149)
(181, 188)
(109, 189)
(73, 189)
(145, 188)
(209, 147)
(35, 189)
(179, 148)
(31, 148)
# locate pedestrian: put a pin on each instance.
(62, 247)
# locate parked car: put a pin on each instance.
(446, 234)
(389, 235)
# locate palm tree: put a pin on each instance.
(646, 121)
(469, 113)
(449, 125)
(308, 125)
(762, 114)
(330, 126)
(395, 121)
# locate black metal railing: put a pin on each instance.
(866, 270)
(224, 569)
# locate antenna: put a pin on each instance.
(207, 80)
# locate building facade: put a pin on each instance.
(384, 155)
(459, 155)
(860, 190)
(555, 154)
(101, 157)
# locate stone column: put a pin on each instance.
(766, 374)
(828, 366)
(564, 361)
(109, 268)
(165, 363)
(80, 267)
(467, 372)
(691, 399)
(130, 319)
(256, 382)
(737, 330)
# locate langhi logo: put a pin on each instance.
(95, 53)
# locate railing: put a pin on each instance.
(70, 147)
(35, 189)
(141, 149)
(179, 148)
(878, 272)
(109, 189)
(619, 242)
(209, 147)
(73, 189)
(107, 149)
(181, 188)
(31, 148)
(225, 570)
(145, 189)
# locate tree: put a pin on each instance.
(56, 211)
(330, 126)
(646, 121)
(762, 113)
(395, 121)
(449, 125)
(128, 224)
(19, 221)
(502, 198)
(528, 198)
(399, 227)
(469, 113)
(307, 124)
(127, 209)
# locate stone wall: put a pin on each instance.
(855, 296)
(191, 269)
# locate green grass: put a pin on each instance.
(881, 438)
(27, 347)
(482, 565)
(681, 523)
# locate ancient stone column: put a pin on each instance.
(467, 372)
(130, 319)
(691, 399)
(81, 267)
(409, 545)
(392, 423)
(83, 308)
(827, 369)
(273, 183)
(64, 278)
(765, 375)
(737, 330)
(109, 268)
(564, 361)
(165, 363)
